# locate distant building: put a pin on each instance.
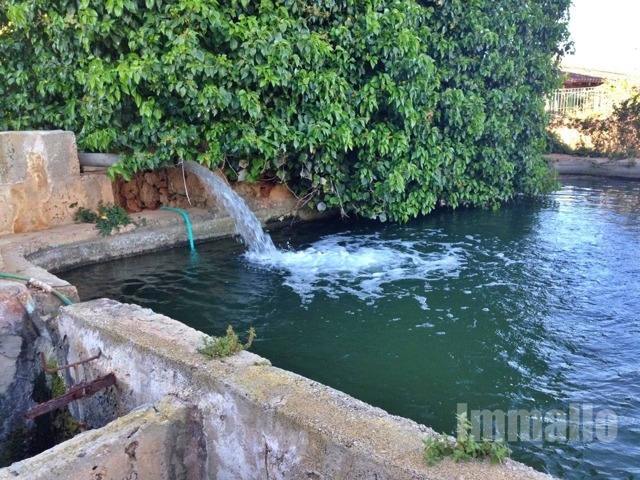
(579, 80)
(580, 95)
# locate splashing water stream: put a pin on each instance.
(328, 265)
(247, 225)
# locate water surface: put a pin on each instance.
(534, 306)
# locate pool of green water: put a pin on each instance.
(534, 307)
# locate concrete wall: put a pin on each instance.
(40, 177)
(597, 167)
(156, 442)
(249, 420)
(17, 362)
(22, 336)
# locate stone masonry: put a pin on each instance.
(19, 341)
(40, 177)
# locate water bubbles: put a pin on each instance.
(339, 264)
(422, 301)
(363, 266)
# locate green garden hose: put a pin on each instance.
(39, 284)
(186, 219)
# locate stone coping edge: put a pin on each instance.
(597, 167)
(132, 446)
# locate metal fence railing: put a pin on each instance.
(573, 102)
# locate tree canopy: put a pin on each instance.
(381, 107)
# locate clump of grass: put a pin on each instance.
(221, 347)
(106, 217)
(464, 447)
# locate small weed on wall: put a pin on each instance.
(221, 347)
(106, 217)
(464, 447)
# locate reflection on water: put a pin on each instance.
(531, 307)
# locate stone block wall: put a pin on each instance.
(167, 187)
(40, 177)
(19, 367)
(156, 442)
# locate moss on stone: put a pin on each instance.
(29, 439)
(17, 445)
(64, 426)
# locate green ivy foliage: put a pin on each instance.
(381, 107)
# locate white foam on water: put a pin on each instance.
(362, 266)
(425, 325)
(339, 264)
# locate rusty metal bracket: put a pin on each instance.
(76, 392)
(64, 367)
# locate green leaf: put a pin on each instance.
(387, 108)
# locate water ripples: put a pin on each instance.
(534, 306)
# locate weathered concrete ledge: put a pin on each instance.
(257, 421)
(599, 167)
(155, 442)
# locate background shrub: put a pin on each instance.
(615, 136)
(382, 107)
